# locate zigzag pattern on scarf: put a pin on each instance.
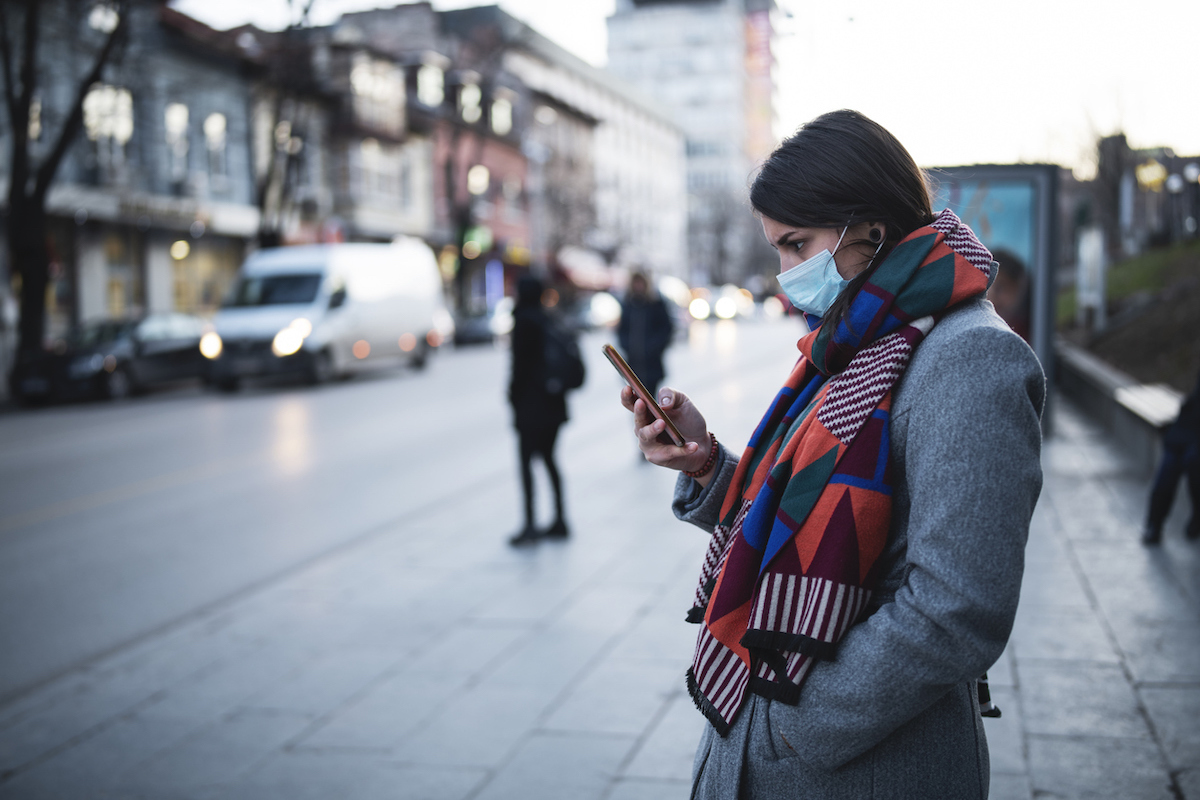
(854, 393)
(963, 241)
(714, 559)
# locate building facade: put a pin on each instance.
(163, 157)
(708, 63)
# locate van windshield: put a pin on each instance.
(275, 290)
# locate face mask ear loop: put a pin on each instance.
(875, 255)
(839, 243)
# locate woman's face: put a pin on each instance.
(795, 245)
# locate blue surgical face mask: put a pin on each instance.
(813, 284)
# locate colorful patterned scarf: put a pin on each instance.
(793, 561)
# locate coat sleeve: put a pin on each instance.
(973, 473)
(701, 505)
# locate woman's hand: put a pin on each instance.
(653, 440)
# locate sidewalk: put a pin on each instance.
(436, 662)
(1100, 684)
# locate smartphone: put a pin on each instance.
(639, 389)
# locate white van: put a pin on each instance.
(323, 311)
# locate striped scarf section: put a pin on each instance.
(792, 562)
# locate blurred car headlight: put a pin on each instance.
(443, 323)
(86, 366)
(604, 310)
(726, 308)
(286, 342)
(501, 321)
(291, 339)
(211, 345)
(772, 308)
(699, 308)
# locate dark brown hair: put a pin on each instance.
(841, 169)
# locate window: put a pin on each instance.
(479, 178)
(379, 170)
(175, 119)
(103, 17)
(502, 116)
(214, 138)
(406, 184)
(275, 290)
(431, 89)
(378, 88)
(108, 121)
(470, 99)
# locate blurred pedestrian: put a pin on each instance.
(645, 331)
(1180, 458)
(538, 412)
(867, 546)
(1010, 293)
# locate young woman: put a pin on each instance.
(867, 544)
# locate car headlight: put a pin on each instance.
(211, 345)
(291, 339)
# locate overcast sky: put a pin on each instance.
(958, 82)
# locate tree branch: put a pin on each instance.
(10, 94)
(71, 125)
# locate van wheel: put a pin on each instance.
(321, 369)
(420, 356)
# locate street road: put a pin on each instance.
(120, 522)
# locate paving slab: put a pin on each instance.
(1098, 768)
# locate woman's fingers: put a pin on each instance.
(651, 431)
(627, 398)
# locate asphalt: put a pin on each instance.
(431, 660)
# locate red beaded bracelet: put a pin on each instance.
(712, 459)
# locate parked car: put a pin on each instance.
(115, 358)
(485, 328)
(322, 311)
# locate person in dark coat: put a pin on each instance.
(645, 331)
(1181, 456)
(537, 412)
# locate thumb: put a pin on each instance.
(668, 398)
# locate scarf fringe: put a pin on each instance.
(706, 708)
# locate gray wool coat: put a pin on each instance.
(895, 716)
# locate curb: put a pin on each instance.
(1133, 413)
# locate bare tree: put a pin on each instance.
(287, 72)
(22, 30)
